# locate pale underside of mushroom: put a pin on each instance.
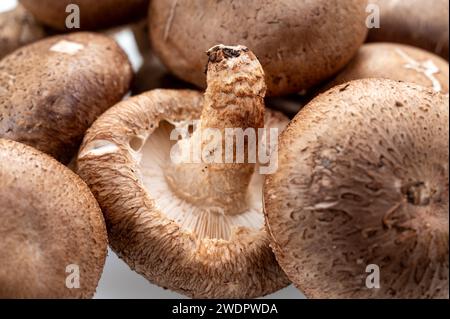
(201, 221)
(160, 234)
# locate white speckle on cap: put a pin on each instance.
(67, 47)
(98, 148)
(427, 68)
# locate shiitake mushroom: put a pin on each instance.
(420, 23)
(98, 14)
(363, 181)
(51, 91)
(53, 235)
(295, 54)
(396, 62)
(18, 28)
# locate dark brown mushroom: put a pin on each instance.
(65, 84)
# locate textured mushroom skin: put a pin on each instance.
(50, 101)
(149, 242)
(363, 179)
(93, 14)
(396, 62)
(414, 22)
(18, 28)
(294, 55)
(48, 220)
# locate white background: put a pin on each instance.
(118, 281)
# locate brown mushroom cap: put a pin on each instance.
(157, 233)
(363, 179)
(48, 221)
(93, 14)
(397, 62)
(65, 84)
(294, 52)
(18, 28)
(419, 23)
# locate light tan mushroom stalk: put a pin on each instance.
(234, 99)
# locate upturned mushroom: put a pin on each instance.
(18, 28)
(53, 236)
(51, 91)
(295, 56)
(419, 23)
(92, 14)
(194, 226)
(358, 207)
(396, 62)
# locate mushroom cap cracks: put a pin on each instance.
(396, 62)
(413, 22)
(363, 180)
(50, 223)
(122, 160)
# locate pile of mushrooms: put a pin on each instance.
(349, 201)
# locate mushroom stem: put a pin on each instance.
(234, 104)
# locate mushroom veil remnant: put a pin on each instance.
(421, 23)
(96, 14)
(195, 227)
